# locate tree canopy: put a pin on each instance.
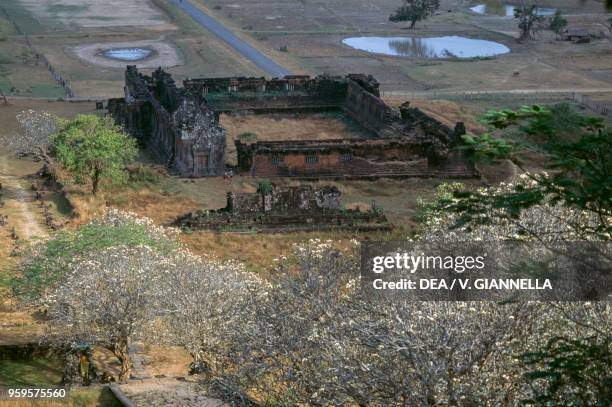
(529, 20)
(557, 23)
(580, 169)
(93, 149)
(415, 10)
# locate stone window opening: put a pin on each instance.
(345, 157)
(278, 159)
(311, 159)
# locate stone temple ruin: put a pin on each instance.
(180, 127)
(175, 125)
(285, 209)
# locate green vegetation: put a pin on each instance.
(571, 372)
(44, 264)
(415, 10)
(5, 58)
(38, 371)
(247, 136)
(557, 23)
(141, 175)
(581, 168)
(94, 149)
(47, 90)
(529, 20)
(264, 187)
(486, 147)
(21, 18)
(96, 397)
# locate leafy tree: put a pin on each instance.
(557, 121)
(265, 187)
(93, 149)
(580, 172)
(557, 23)
(485, 147)
(529, 20)
(571, 372)
(415, 10)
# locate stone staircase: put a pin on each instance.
(139, 362)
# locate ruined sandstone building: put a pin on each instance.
(290, 209)
(180, 127)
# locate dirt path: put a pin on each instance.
(19, 205)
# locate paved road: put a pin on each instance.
(223, 33)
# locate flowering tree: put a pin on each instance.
(556, 356)
(108, 299)
(276, 357)
(35, 138)
(548, 222)
(314, 339)
(201, 301)
(578, 150)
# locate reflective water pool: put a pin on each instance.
(435, 47)
(507, 10)
(128, 54)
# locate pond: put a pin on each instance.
(434, 47)
(500, 9)
(128, 54)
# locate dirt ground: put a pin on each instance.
(277, 127)
(94, 13)
(24, 214)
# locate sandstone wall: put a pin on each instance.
(176, 127)
(369, 110)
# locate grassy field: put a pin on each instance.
(56, 28)
(303, 36)
(312, 32)
(21, 73)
